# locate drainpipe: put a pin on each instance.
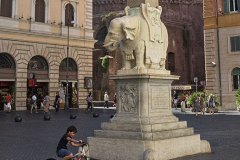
(219, 59)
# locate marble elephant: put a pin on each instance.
(141, 37)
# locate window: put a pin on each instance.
(171, 62)
(6, 8)
(40, 11)
(236, 78)
(235, 43)
(231, 6)
(69, 15)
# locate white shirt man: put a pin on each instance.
(106, 99)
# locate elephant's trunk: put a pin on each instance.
(111, 46)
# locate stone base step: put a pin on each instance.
(144, 120)
(114, 126)
(120, 149)
(144, 135)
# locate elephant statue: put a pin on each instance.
(141, 36)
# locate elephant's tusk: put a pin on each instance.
(108, 44)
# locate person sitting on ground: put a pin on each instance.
(67, 138)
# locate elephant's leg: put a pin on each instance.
(126, 64)
(139, 55)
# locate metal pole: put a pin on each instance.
(196, 86)
(67, 100)
(219, 56)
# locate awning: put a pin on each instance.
(182, 87)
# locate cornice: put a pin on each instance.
(99, 2)
(188, 2)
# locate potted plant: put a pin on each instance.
(237, 101)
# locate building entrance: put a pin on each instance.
(72, 94)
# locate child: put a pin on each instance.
(67, 138)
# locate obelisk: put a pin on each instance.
(144, 127)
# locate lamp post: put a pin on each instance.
(195, 79)
(67, 76)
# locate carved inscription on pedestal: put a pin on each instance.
(159, 97)
(128, 95)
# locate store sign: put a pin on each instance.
(187, 87)
(32, 82)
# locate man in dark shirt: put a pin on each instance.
(67, 138)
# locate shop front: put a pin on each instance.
(7, 79)
(38, 80)
(68, 84)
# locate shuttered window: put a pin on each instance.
(40, 11)
(231, 6)
(236, 78)
(6, 8)
(69, 15)
(235, 43)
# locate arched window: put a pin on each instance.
(38, 63)
(69, 15)
(7, 66)
(72, 66)
(236, 78)
(6, 8)
(171, 62)
(71, 71)
(40, 11)
(6, 61)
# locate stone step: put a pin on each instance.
(144, 135)
(145, 120)
(145, 128)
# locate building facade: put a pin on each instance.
(185, 54)
(222, 49)
(43, 45)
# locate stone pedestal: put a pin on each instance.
(144, 125)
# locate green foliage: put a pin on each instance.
(203, 95)
(105, 64)
(237, 95)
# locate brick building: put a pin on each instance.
(185, 56)
(222, 48)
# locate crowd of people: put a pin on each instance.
(199, 103)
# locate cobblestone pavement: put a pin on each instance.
(36, 139)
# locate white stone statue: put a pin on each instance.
(141, 36)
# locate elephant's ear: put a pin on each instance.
(131, 27)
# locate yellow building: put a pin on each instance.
(34, 52)
(222, 49)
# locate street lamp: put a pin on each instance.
(67, 76)
(195, 79)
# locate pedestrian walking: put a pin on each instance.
(175, 99)
(46, 103)
(8, 100)
(197, 105)
(115, 100)
(211, 104)
(106, 99)
(56, 102)
(183, 106)
(203, 105)
(89, 102)
(33, 103)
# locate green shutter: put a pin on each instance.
(226, 6)
(238, 5)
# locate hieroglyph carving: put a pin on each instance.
(128, 98)
(141, 36)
